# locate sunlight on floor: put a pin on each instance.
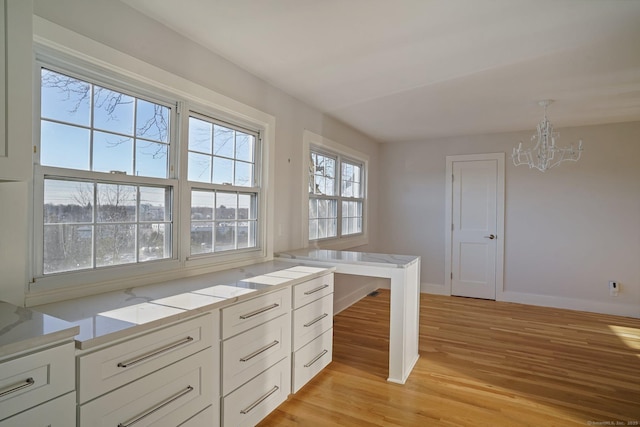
(629, 336)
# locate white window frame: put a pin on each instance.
(311, 141)
(70, 52)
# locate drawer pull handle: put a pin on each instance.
(259, 311)
(258, 351)
(154, 353)
(13, 388)
(316, 320)
(259, 401)
(156, 408)
(315, 359)
(314, 290)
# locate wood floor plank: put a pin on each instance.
(482, 363)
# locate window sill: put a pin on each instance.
(340, 244)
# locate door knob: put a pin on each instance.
(490, 236)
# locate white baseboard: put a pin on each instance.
(603, 307)
(434, 289)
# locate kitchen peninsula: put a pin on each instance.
(404, 273)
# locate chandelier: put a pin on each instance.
(545, 154)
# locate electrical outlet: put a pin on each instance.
(614, 288)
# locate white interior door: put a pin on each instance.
(476, 228)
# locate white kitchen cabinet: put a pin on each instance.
(160, 378)
(165, 398)
(16, 89)
(312, 329)
(256, 357)
(108, 368)
(32, 379)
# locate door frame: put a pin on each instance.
(500, 193)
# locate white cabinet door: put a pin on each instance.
(16, 122)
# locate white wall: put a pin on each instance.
(122, 28)
(567, 231)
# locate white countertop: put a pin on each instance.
(114, 315)
(348, 257)
(22, 329)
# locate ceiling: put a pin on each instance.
(413, 70)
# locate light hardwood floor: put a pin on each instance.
(482, 363)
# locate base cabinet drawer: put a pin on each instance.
(251, 313)
(30, 380)
(119, 364)
(165, 398)
(256, 399)
(248, 354)
(312, 320)
(311, 359)
(60, 412)
(311, 290)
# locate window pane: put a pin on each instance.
(151, 159)
(116, 203)
(244, 174)
(226, 204)
(201, 237)
(64, 98)
(223, 141)
(247, 206)
(225, 236)
(247, 234)
(67, 247)
(112, 153)
(64, 146)
(222, 171)
(113, 111)
(154, 238)
(152, 121)
(115, 244)
(313, 229)
(202, 205)
(329, 186)
(67, 201)
(244, 146)
(200, 135)
(199, 167)
(313, 208)
(154, 204)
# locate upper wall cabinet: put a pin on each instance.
(16, 90)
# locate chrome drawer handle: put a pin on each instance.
(154, 353)
(313, 291)
(260, 350)
(316, 320)
(260, 310)
(315, 359)
(259, 401)
(13, 388)
(156, 408)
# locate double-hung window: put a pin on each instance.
(133, 181)
(336, 195)
(108, 198)
(224, 186)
